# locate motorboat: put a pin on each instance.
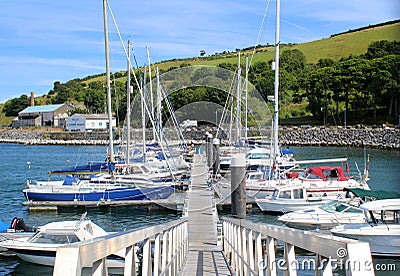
(326, 216)
(320, 181)
(381, 232)
(41, 248)
(336, 212)
(290, 198)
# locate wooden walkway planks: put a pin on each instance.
(204, 256)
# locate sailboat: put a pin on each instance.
(280, 167)
(88, 190)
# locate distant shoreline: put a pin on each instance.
(379, 138)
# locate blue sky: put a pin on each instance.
(43, 41)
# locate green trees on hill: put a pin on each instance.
(13, 106)
(363, 85)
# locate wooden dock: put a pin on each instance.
(204, 256)
(174, 202)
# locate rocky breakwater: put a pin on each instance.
(378, 137)
(36, 137)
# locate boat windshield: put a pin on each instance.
(254, 176)
(54, 238)
(258, 156)
(340, 207)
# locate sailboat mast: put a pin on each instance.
(238, 101)
(158, 102)
(151, 94)
(110, 132)
(246, 95)
(128, 108)
(144, 113)
(276, 90)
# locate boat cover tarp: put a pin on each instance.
(4, 227)
(286, 151)
(69, 179)
(378, 194)
(82, 169)
(321, 172)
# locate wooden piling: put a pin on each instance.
(238, 185)
(215, 165)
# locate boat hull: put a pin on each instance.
(285, 206)
(148, 193)
(384, 240)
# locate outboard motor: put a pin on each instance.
(18, 224)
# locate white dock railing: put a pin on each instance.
(164, 249)
(251, 250)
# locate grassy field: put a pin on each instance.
(4, 121)
(354, 43)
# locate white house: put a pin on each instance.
(88, 122)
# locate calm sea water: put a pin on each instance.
(14, 170)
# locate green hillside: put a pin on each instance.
(336, 47)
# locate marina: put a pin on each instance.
(384, 166)
(157, 205)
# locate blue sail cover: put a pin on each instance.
(89, 168)
(4, 227)
(286, 151)
(69, 179)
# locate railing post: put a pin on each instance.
(234, 248)
(174, 249)
(146, 260)
(67, 262)
(251, 249)
(270, 261)
(130, 261)
(359, 261)
(323, 266)
(170, 252)
(164, 253)
(99, 268)
(156, 257)
(239, 249)
(180, 248)
(225, 238)
(186, 238)
(244, 252)
(290, 260)
(258, 253)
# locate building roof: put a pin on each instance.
(92, 116)
(41, 108)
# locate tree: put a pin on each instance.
(292, 61)
(14, 106)
(383, 48)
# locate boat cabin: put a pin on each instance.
(388, 211)
(67, 232)
(324, 173)
(290, 193)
